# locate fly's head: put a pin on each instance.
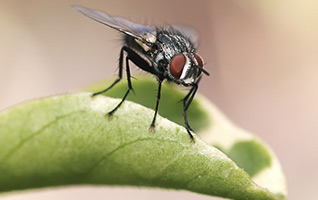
(183, 65)
(186, 67)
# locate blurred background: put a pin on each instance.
(262, 56)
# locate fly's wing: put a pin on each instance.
(190, 33)
(123, 25)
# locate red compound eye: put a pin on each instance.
(176, 65)
(199, 60)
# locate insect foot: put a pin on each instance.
(109, 115)
(93, 96)
(152, 128)
(190, 134)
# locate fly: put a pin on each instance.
(168, 52)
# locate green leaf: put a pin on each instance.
(248, 151)
(67, 139)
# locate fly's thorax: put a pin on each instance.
(172, 42)
(160, 63)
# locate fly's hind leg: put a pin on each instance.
(110, 114)
(138, 61)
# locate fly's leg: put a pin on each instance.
(127, 92)
(135, 58)
(153, 123)
(138, 61)
(186, 103)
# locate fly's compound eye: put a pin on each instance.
(200, 62)
(199, 59)
(177, 64)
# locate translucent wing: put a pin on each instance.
(123, 25)
(190, 33)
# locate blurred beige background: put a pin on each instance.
(262, 56)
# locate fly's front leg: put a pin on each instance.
(186, 103)
(153, 123)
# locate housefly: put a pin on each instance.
(167, 52)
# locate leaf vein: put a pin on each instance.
(98, 162)
(30, 137)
